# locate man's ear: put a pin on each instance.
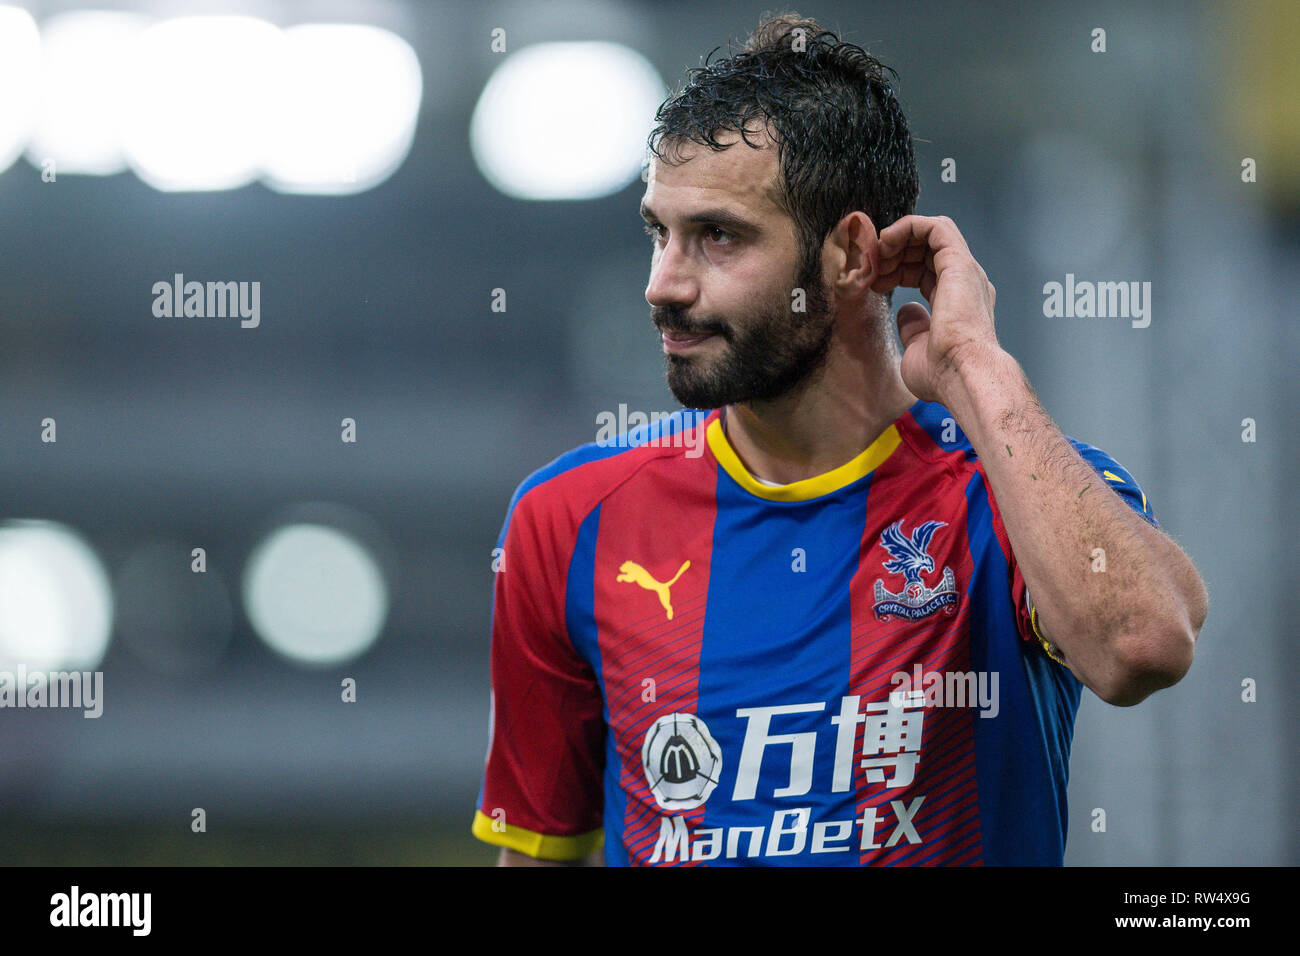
(856, 254)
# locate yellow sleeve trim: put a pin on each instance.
(1048, 646)
(537, 845)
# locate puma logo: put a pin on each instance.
(632, 573)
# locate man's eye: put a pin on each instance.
(716, 234)
(652, 230)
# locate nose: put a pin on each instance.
(672, 278)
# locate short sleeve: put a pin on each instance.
(542, 786)
(1122, 482)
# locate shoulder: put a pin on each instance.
(933, 432)
(571, 486)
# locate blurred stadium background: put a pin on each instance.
(380, 168)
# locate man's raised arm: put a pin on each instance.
(1126, 633)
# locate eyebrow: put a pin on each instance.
(718, 217)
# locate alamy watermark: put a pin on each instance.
(208, 300)
(1101, 300)
(38, 689)
(612, 430)
(948, 689)
(76, 908)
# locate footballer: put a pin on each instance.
(854, 629)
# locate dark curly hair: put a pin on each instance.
(842, 139)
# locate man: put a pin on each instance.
(815, 643)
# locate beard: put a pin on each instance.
(769, 353)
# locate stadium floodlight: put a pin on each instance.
(315, 594)
(196, 92)
(83, 95)
(565, 120)
(56, 602)
(343, 105)
(20, 63)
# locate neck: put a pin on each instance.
(829, 420)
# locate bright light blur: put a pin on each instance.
(84, 96)
(56, 602)
(315, 594)
(20, 58)
(196, 91)
(208, 102)
(343, 108)
(565, 120)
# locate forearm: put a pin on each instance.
(1125, 632)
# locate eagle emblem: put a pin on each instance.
(910, 557)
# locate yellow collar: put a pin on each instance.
(871, 458)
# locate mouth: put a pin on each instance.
(677, 342)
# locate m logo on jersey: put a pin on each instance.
(629, 572)
(681, 760)
(909, 558)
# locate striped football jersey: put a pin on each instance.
(691, 666)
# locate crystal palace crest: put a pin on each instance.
(910, 557)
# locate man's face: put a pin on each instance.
(725, 266)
